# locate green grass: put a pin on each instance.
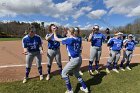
(10, 39)
(124, 82)
(138, 45)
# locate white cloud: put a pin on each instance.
(87, 27)
(97, 14)
(62, 10)
(67, 25)
(135, 12)
(123, 7)
(81, 12)
(75, 22)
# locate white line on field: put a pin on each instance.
(22, 65)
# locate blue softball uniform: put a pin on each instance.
(32, 44)
(52, 43)
(79, 42)
(73, 47)
(130, 45)
(97, 39)
(115, 44)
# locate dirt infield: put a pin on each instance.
(12, 61)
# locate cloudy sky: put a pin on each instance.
(82, 13)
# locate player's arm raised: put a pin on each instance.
(56, 38)
(49, 37)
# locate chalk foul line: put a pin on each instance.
(23, 65)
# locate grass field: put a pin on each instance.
(138, 45)
(124, 82)
(10, 39)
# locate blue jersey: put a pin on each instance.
(115, 44)
(130, 45)
(32, 44)
(97, 39)
(79, 41)
(52, 43)
(72, 47)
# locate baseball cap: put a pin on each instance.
(32, 29)
(96, 27)
(130, 35)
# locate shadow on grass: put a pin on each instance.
(132, 65)
(95, 80)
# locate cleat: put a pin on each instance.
(80, 72)
(91, 73)
(84, 90)
(128, 68)
(107, 70)
(69, 91)
(25, 80)
(48, 77)
(122, 69)
(115, 70)
(97, 71)
(41, 77)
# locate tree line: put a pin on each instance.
(18, 29)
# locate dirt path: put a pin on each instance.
(12, 62)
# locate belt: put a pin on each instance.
(129, 50)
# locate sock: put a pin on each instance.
(68, 84)
(108, 65)
(114, 65)
(27, 72)
(128, 63)
(82, 82)
(90, 65)
(96, 65)
(49, 69)
(40, 70)
(122, 61)
(60, 70)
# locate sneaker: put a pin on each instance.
(107, 70)
(128, 68)
(122, 69)
(97, 71)
(25, 80)
(41, 77)
(80, 72)
(48, 77)
(84, 90)
(115, 70)
(91, 73)
(69, 91)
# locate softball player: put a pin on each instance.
(129, 46)
(115, 45)
(96, 38)
(32, 47)
(53, 50)
(75, 62)
(77, 32)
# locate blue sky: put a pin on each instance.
(82, 13)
